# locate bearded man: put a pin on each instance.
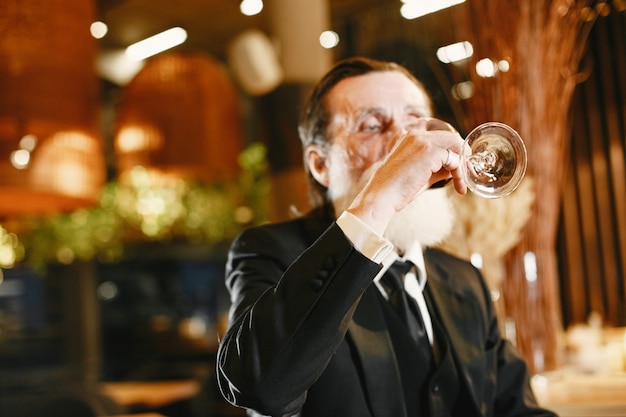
(320, 324)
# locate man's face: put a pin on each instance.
(369, 113)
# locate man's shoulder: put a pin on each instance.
(453, 270)
(291, 226)
(299, 230)
(457, 273)
(438, 255)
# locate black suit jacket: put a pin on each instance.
(307, 333)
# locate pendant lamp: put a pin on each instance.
(180, 115)
(51, 155)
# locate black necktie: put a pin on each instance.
(404, 305)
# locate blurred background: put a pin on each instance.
(139, 137)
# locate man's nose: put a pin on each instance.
(423, 123)
(393, 136)
(399, 130)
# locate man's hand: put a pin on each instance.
(418, 160)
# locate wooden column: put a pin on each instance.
(81, 310)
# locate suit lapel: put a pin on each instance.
(382, 377)
(458, 315)
(369, 332)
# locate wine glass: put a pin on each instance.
(496, 161)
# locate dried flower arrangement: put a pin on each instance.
(543, 43)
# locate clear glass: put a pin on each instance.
(496, 164)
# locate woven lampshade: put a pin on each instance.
(180, 115)
(48, 90)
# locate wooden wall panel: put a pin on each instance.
(592, 237)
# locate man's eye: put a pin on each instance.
(371, 126)
(417, 117)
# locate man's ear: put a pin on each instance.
(316, 162)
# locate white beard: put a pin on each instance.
(427, 220)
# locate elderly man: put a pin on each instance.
(320, 324)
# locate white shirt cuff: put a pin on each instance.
(364, 239)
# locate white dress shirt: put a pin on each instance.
(381, 250)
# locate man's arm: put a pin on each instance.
(288, 316)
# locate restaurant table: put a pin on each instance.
(582, 395)
(150, 394)
(140, 415)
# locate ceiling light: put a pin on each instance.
(486, 68)
(28, 142)
(329, 39)
(251, 7)
(455, 52)
(20, 159)
(156, 44)
(116, 67)
(98, 29)
(463, 90)
(412, 9)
